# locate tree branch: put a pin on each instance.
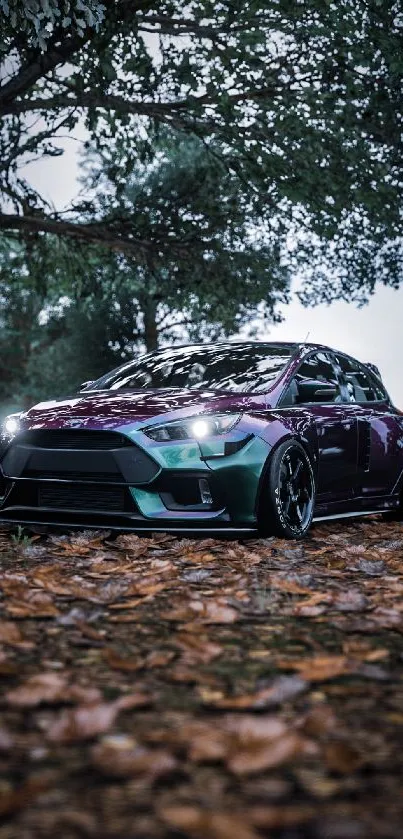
(96, 233)
(164, 111)
(60, 49)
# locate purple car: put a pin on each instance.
(229, 436)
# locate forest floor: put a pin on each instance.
(162, 688)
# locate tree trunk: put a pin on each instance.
(150, 324)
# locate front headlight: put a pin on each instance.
(10, 427)
(195, 428)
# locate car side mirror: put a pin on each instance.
(325, 394)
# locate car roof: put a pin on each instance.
(293, 346)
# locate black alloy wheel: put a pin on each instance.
(288, 496)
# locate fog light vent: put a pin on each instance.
(205, 494)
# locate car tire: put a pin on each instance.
(288, 493)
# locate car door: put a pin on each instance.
(380, 437)
(316, 386)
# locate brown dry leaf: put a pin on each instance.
(197, 648)
(342, 757)
(122, 757)
(128, 604)
(49, 688)
(270, 753)
(159, 658)
(13, 800)
(312, 606)
(282, 689)
(10, 633)
(247, 744)
(288, 585)
(280, 817)
(118, 662)
(202, 824)
(203, 611)
(136, 546)
(87, 721)
(198, 558)
(320, 720)
(50, 578)
(320, 668)
(147, 588)
(90, 632)
(32, 604)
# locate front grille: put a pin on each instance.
(74, 455)
(108, 499)
(59, 475)
(69, 438)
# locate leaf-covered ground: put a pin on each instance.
(163, 687)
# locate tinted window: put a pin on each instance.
(238, 367)
(363, 386)
(315, 381)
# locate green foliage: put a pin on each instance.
(299, 99)
(38, 19)
(97, 308)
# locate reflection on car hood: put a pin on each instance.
(112, 409)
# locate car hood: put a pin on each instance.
(105, 409)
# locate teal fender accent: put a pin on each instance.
(238, 475)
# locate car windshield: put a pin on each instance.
(238, 367)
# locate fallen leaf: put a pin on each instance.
(49, 687)
(118, 662)
(87, 721)
(10, 633)
(275, 818)
(203, 611)
(197, 648)
(159, 658)
(203, 824)
(122, 757)
(320, 668)
(282, 689)
(14, 799)
(343, 757)
(260, 755)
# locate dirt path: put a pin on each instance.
(157, 687)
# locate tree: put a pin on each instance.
(39, 18)
(98, 307)
(300, 100)
(230, 263)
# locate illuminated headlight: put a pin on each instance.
(11, 426)
(9, 429)
(196, 428)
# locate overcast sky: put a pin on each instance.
(373, 333)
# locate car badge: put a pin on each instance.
(74, 423)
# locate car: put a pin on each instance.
(241, 437)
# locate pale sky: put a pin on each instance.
(373, 333)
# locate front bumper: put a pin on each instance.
(136, 485)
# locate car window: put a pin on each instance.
(316, 380)
(363, 385)
(236, 368)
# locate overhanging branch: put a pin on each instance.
(96, 233)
